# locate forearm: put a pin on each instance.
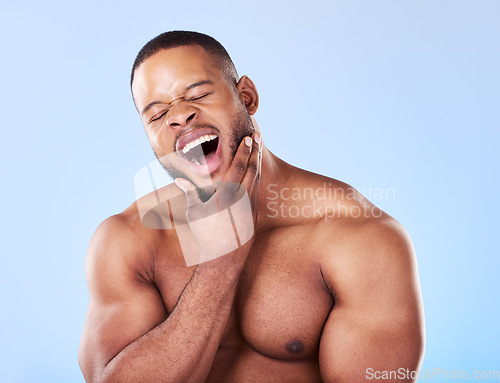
(183, 347)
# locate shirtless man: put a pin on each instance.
(311, 297)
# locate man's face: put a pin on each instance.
(193, 117)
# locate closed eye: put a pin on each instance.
(199, 97)
(160, 116)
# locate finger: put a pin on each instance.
(255, 187)
(238, 166)
(253, 165)
(190, 190)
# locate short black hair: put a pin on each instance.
(173, 39)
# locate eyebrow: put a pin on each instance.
(194, 85)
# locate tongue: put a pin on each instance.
(208, 156)
(197, 156)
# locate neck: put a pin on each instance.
(274, 173)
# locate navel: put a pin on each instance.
(294, 347)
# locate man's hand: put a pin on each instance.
(226, 221)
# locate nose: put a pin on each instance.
(180, 114)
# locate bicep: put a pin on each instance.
(351, 348)
(377, 321)
(122, 307)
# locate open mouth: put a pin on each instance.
(200, 149)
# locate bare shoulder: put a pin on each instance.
(368, 249)
(361, 250)
(120, 244)
(358, 244)
(132, 235)
(368, 263)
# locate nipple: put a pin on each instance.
(294, 347)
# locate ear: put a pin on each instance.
(248, 94)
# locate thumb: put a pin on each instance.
(190, 190)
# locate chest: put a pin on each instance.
(281, 302)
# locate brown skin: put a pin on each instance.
(308, 299)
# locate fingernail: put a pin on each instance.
(178, 182)
(256, 137)
(248, 141)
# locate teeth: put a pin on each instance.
(198, 141)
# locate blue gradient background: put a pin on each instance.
(380, 94)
